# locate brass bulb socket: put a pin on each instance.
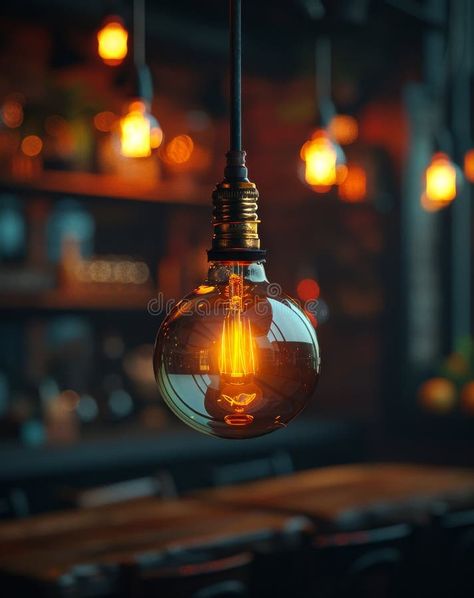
(235, 218)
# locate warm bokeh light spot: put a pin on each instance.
(68, 400)
(113, 42)
(457, 365)
(135, 132)
(353, 188)
(179, 149)
(156, 137)
(469, 165)
(105, 121)
(344, 129)
(307, 289)
(31, 145)
(431, 206)
(321, 162)
(12, 114)
(437, 395)
(440, 180)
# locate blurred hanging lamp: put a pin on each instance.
(442, 176)
(324, 161)
(112, 40)
(139, 130)
(236, 358)
(440, 179)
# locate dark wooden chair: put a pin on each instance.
(369, 563)
(367, 521)
(139, 548)
(447, 559)
(199, 573)
(160, 485)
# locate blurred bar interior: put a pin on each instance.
(358, 127)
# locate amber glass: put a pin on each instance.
(236, 358)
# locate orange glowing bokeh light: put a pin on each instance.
(438, 395)
(31, 145)
(112, 42)
(156, 136)
(469, 165)
(320, 155)
(307, 289)
(344, 128)
(179, 150)
(353, 188)
(105, 121)
(135, 132)
(440, 181)
(12, 114)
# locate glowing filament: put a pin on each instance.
(237, 358)
(135, 132)
(237, 354)
(241, 400)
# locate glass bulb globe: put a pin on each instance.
(236, 358)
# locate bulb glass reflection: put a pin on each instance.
(236, 358)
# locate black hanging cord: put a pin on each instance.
(235, 43)
(323, 67)
(235, 169)
(139, 32)
(235, 219)
(144, 84)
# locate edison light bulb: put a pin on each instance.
(112, 42)
(237, 358)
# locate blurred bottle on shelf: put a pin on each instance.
(61, 423)
(12, 229)
(70, 220)
(118, 404)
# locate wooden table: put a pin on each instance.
(45, 547)
(354, 496)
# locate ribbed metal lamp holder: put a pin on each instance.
(235, 219)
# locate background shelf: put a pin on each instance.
(83, 299)
(90, 185)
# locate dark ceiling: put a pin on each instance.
(375, 42)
